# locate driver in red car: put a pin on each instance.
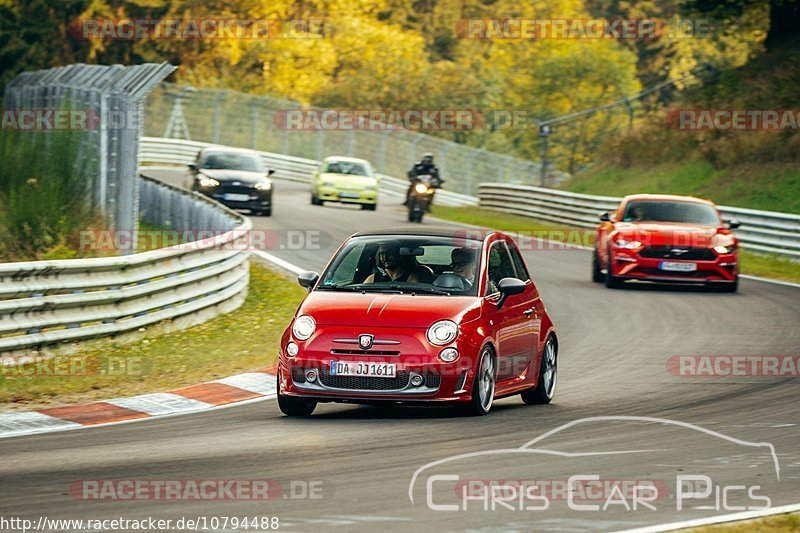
(392, 266)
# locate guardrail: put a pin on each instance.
(762, 231)
(160, 150)
(45, 302)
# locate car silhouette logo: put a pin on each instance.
(365, 341)
(237, 183)
(678, 251)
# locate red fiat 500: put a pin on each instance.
(419, 317)
(666, 238)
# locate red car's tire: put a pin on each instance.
(483, 386)
(548, 377)
(729, 287)
(597, 273)
(295, 406)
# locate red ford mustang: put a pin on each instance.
(419, 317)
(669, 239)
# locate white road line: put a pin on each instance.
(277, 261)
(160, 403)
(721, 519)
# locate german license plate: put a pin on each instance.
(349, 195)
(234, 197)
(677, 267)
(364, 369)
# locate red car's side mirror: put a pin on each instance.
(509, 287)
(307, 280)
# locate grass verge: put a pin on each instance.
(243, 340)
(767, 266)
(784, 523)
(769, 186)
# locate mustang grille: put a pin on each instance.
(666, 252)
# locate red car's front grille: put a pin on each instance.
(663, 273)
(363, 383)
(669, 252)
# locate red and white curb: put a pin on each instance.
(233, 390)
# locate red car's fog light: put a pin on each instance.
(311, 376)
(448, 355)
(292, 349)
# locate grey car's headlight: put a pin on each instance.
(205, 181)
(303, 327)
(263, 185)
(442, 332)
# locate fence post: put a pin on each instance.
(217, 105)
(470, 169)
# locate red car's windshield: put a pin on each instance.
(661, 211)
(435, 265)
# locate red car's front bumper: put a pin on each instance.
(630, 264)
(441, 382)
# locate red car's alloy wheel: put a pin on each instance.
(548, 377)
(484, 386)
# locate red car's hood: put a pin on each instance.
(667, 234)
(387, 310)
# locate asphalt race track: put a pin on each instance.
(359, 460)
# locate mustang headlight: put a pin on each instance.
(205, 181)
(263, 185)
(722, 249)
(420, 188)
(625, 243)
(442, 332)
(303, 327)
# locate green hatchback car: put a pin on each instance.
(345, 180)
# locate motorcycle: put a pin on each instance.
(421, 196)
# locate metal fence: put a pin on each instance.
(110, 99)
(46, 302)
(761, 231)
(237, 119)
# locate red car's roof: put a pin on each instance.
(669, 197)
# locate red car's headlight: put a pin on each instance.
(723, 249)
(625, 243)
(442, 332)
(303, 327)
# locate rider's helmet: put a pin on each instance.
(427, 158)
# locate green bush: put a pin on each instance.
(45, 193)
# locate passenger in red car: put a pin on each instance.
(463, 262)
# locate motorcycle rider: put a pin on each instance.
(420, 168)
